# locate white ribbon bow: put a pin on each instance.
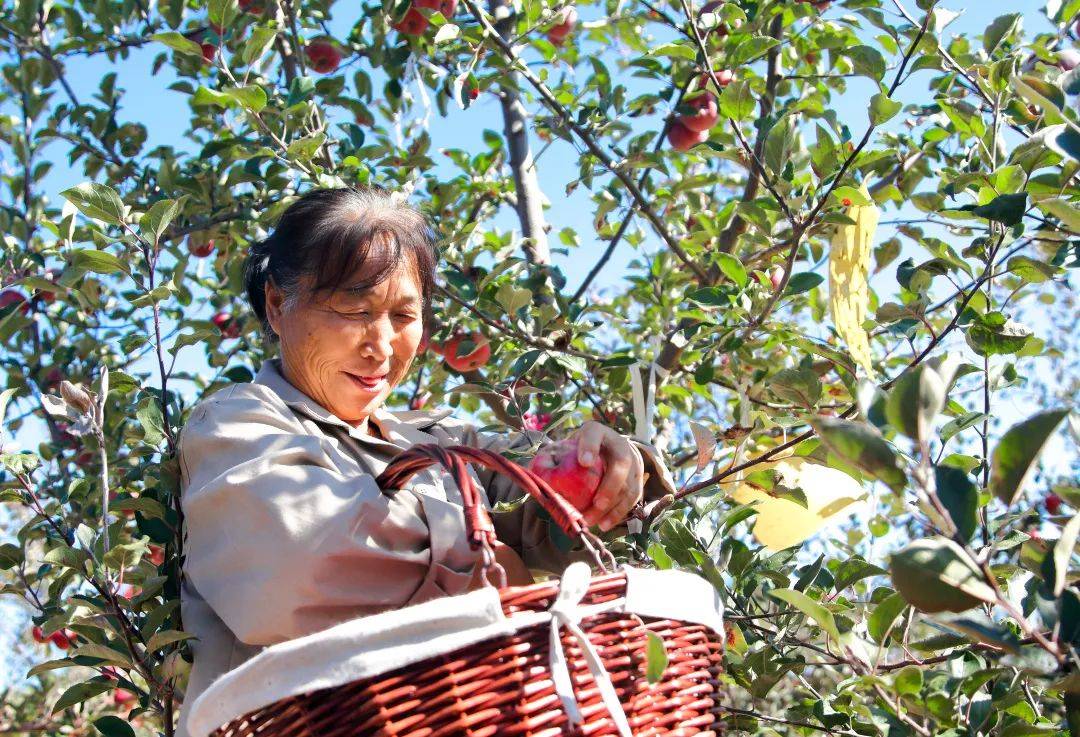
(566, 612)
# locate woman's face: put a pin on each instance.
(349, 351)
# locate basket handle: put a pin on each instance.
(478, 525)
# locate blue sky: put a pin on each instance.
(165, 115)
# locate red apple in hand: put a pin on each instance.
(567, 20)
(476, 358)
(702, 112)
(324, 56)
(682, 138)
(557, 464)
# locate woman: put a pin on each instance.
(287, 532)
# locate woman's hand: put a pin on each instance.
(623, 483)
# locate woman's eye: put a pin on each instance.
(405, 316)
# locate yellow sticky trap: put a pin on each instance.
(849, 285)
(830, 494)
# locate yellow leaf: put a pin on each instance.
(849, 288)
(830, 494)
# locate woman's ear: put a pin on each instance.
(274, 298)
(425, 341)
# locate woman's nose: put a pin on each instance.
(378, 338)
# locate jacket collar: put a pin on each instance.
(402, 428)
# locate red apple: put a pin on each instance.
(63, 639)
(476, 358)
(199, 245)
(156, 555)
(255, 7)
(703, 112)
(557, 464)
(324, 56)
(446, 7)
(38, 635)
(10, 297)
(413, 24)
(536, 421)
(566, 22)
(776, 277)
(209, 51)
(226, 324)
(724, 77)
(122, 696)
(1053, 503)
(682, 138)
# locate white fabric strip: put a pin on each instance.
(369, 646)
(566, 612)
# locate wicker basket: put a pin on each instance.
(553, 658)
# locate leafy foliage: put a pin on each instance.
(782, 404)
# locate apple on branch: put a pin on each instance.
(567, 19)
(413, 24)
(324, 55)
(477, 357)
(200, 245)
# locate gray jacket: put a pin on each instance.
(287, 532)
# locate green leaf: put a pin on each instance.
(883, 108)
(99, 262)
(732, 268)
(959, 496)
(79, 693)
(1013, 459)
(884, 614)
(68, 557)
(918, 396)
(126, 555)
(867, 61)
(113, 726)
(1047, 97)
(103, 652)
(1007, 208)
(656, 658)
(993, 334)
(178, 42)
(737, 101)
(981, 629)
(998, 29)
(803, 282)
(810, 608)
(446, 32)
(96, 201)
(800, 386)
(935, 575)
(153, 424)
(304, 148)
(257, 43)
(862, 445)
(206, 96)
(1063, 140)
(1063, 552)
(1063, 210)
(674, 51)
(158, 218)
(251, 97)
(168, 637)
(10, 556)
(908, 680)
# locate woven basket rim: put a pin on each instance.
(286, 669)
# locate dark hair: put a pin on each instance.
(358, 235)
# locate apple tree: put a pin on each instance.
(844, 315)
